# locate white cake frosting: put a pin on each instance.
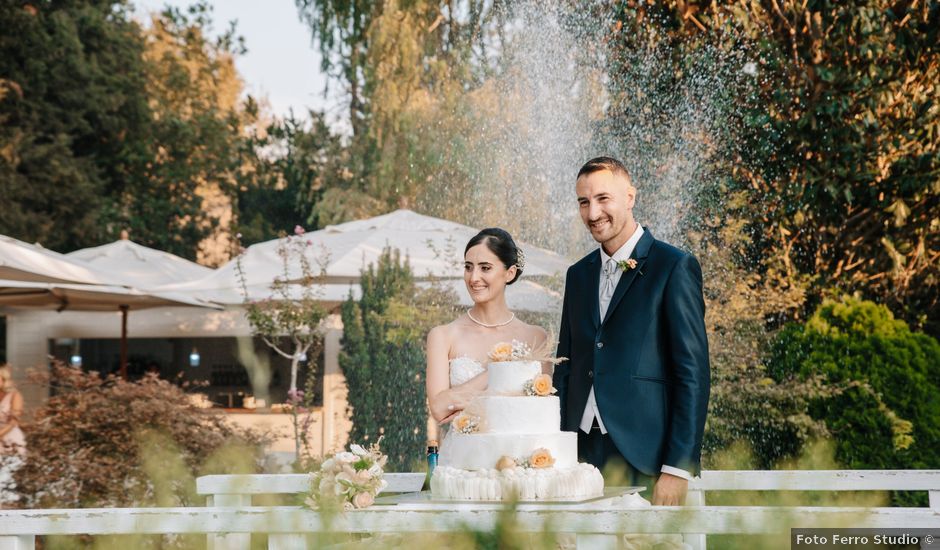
(575, 482)
(510, 424)
(517, 414)
(509, 377)
(482, 451)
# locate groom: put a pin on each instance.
(635, 386)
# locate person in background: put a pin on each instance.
(12, 440)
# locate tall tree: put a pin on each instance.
(107, 126)
(180, 200)
(839, 158)
(400, 62)
(340, 29)
(383, 358)
(295, 162)
(74, 113)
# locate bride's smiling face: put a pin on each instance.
(484, 274)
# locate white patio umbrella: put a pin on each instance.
(62, 296)
(34, 277)
(20, 261)
(434, 248)
(78, 297)
(525, 294)
(146, 267)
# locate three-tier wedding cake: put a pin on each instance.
(507, 444)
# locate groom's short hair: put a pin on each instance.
(610, 164)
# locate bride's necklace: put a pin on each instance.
(494, 325)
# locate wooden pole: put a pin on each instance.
(123, 371)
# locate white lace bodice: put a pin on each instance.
(462, 369)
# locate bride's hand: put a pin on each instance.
(450, 417)
(460, 398)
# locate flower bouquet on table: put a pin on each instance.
(348, 480)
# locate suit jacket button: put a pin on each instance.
(590, 374)
(600, 345)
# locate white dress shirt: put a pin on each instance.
(609, 278)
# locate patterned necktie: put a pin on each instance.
(607, 291)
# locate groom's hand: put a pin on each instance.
(670, 490)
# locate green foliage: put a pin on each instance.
(839, 156)
(772, 419)
(296, 161)
(73, 116)
(852, 193)
(886, 410)
(832, 144)
(179, 198)
(107, 126)
(383, 358)
(288, 322)
(747, 407)
(403, 64)
(339, 27)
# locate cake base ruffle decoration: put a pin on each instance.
(575, 483)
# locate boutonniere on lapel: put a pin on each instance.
(627, 265)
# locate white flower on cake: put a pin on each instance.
(540, 386)
(348, 479)
(467, 423)
(358, 450)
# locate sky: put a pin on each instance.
(281, 62)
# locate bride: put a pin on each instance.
(457, 351)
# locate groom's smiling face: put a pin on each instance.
(605, 201)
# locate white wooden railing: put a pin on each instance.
(811, 480)
(230, 518)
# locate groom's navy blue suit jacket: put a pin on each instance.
(647, 360)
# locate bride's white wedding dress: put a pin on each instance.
(462, 370)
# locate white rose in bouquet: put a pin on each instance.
(346, 457)
(358, 450)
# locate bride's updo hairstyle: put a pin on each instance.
(499, 242)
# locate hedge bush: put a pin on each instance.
(383, 358)
(108, 442)
(885, 410)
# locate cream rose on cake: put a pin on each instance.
(540, 386)
(501, 352)
(505, 463)
(541, 458)
(466, 423)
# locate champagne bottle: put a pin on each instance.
(432, 459)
